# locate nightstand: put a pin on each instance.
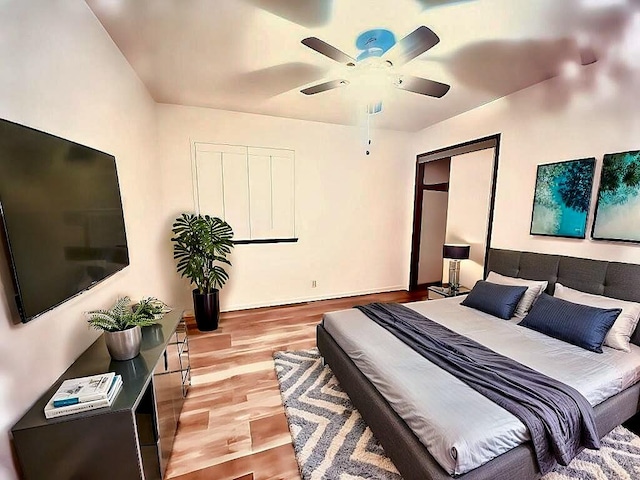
(445, 292)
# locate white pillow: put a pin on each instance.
(534, 290)
(624, 326)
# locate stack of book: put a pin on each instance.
(82, 394)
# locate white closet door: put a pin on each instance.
(252, 188)
(236, 194)
(283, 197)
(209, 184)
(260, 192)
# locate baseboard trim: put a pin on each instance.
(314, 298)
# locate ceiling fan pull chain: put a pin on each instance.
(368, 131)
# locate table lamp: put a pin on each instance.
(455, 253)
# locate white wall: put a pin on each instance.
(559, 119)
(60, 72)
(468, 210)
(353, 212)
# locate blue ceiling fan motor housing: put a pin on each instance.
(374, 43)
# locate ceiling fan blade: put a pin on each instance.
(323, 87)
(422, 86)
(414, 44)
(328, 50)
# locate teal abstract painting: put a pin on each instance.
(618, 208)
(562, 197)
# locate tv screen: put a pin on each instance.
(61, 214)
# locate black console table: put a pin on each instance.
(133, 438)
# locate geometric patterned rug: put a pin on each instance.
(331, 440)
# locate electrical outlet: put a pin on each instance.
(314, 284)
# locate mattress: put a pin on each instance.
(461, 428)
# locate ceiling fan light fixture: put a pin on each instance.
(372, 86)
(371, 52)
(372, 73)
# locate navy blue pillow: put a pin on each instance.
(497, 300)
(580, 325)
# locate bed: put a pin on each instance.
(409, 454)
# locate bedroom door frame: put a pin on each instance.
(484, 143)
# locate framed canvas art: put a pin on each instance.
(562, 197)
(618, 209)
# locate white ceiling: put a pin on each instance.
(246, 55)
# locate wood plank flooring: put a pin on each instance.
(232, 425)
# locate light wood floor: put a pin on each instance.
(232, 425)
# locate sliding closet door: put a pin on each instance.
(434, 224)
(469, 181)
(435, 185)
(468, 211)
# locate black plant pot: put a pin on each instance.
(206, 308)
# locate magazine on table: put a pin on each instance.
(84, 389)
(51, 411)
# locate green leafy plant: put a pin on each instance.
(119, 317)
(200, 241)
(151, 307)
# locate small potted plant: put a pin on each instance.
(122, 327)
(201, 243)
(151, 307)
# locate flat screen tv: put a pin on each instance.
(61, 215)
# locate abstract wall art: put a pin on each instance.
(618, 208)
(562, 197)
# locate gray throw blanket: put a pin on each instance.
(560, 420)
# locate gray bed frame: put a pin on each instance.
(414, 462)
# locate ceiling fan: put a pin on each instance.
(380, 53)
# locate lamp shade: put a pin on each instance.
(456, 251)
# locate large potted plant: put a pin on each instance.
(122, 326)
(200, 244)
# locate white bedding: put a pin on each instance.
(461, 428)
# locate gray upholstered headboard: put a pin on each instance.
(611, 279)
